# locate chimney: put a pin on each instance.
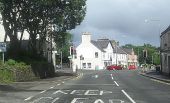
(86, 37)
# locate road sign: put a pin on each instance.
(2, 47)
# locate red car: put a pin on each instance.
(131, 67)
(114, 67)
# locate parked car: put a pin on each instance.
(114, 67)
(131, 67)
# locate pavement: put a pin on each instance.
(61, 75)
(156, 75)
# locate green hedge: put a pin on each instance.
(19, 71)
(15, 71)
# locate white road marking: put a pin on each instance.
(43, 91)
(115, 101)
(116, 83)
(63, 82)
(89, 84)
(76, 99)
(52, 87)
(37, 100)
(111, 75)
(112, 78)
(55, 100)
(58, 84)
(28, 98)
(98, 101)
(128, 96)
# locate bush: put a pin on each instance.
(15, 71)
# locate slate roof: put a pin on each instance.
(119, 50)
(127, 50)
(101, 43)
(164, 32)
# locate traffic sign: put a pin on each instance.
(2, 47)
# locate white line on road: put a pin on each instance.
(52, 87)
(58, 84)
(128, 96)
(55, 100)
(116, 83)
(88, 84)
(112, 78)
(63, 82)
(28, 98)
(43, 91)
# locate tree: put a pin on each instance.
(153, 55)
(38, 17)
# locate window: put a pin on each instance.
(89, 65)
(84, 65)
(96, 55)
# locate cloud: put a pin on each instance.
(125, 20)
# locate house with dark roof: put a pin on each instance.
(165, 51)
(92, 55)
(119, 56)
(97, 54)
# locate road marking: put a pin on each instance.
(89, 84)
(38, 100)
(52, 87)
(128, 96)
(55, 100)
(160, 81)
(58, 84)
(116, 101)
(112, 78)
(116, 83)
(43, 91)
(28, 98)
(63, 82)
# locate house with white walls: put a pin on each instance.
(92, 55)
(119, 56)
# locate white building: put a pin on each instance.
(119, 56)
(97, 55)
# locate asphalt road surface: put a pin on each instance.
(123, 86)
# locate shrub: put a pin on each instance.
(11, 62)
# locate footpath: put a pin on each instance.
(156, 75)
(61, 75)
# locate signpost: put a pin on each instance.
(3, 49)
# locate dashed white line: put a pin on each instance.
(63, 82)
(28, 98)
(128, 96)
(112, 78)
(116, 83)
(51, 87)
(58, 84)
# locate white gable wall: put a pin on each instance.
(87, 50)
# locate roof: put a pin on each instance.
(101, 43)
(127, 50)
(119, 50)
(167, 30)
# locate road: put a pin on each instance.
(123, 86)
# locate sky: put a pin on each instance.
(127, 21)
